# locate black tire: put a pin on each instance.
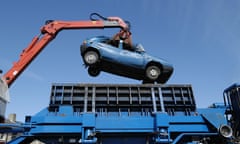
(152, 72)
(91, 57)
(93, 71)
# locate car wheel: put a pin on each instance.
(153, 72)
(93, 71)
(91, 57)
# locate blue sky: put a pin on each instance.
(201, 38)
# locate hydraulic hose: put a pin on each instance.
(92, 15)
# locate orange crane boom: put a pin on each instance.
(48, 33)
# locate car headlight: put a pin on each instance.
(84, 42)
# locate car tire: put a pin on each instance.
(91, 57)
(152, 72)
(93, 71)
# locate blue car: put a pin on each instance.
(101, 53)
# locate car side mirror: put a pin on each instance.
(139, 48)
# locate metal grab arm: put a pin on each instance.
(49, 31)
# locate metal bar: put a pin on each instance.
(71, 96)
(85, 99)
(130, 95)
(153, 100)
(182, 96)
(107, 95)
(161, 99)
(190, 94)
(173, 95)
(139, 96)
(93, 98)
(117, 95)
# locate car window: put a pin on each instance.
(128, 47)
(114, 43)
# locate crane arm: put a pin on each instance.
(49, 32)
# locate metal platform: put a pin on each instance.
(133, 99)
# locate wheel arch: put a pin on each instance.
(154, 63)
(91, 49)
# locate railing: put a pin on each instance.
(124, 98)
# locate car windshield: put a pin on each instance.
(139, 48)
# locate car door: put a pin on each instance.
(109, 53)
(131, 58)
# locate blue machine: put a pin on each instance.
(126, 114)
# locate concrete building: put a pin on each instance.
(4, 99)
